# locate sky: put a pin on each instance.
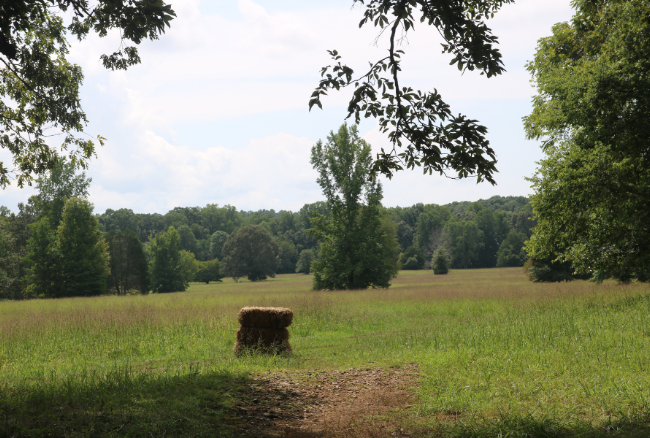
(217, 112)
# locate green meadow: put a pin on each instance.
(496, 355)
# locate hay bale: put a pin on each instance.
(240, 349)
(262, 339)
(263, 329)
(265, 317)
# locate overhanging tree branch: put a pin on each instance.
(420, 126)
(39, 88)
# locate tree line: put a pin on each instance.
(41, 246)
(482, 234)
(590, 189)
(55, 246)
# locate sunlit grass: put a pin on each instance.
(488, 343)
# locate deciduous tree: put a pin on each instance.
(56, 187)
(188, 241)
(15, 233)
(309, 211)
(44, 262)
(189, 267)
(511, 252)
(422, 124)
(592, 113)
(40, 87)
(465, 240)
(404, 235)
(250, 252)
(217, 241)
(120, 220)
(412, 258)
(304, 261)
(494, 229)
(46, 208)
(287, 256)
(165, 270)
(226, 218)
(128, 264)
(209, 271)
(358, 248)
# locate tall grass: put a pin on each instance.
(488, 344)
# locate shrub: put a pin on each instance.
(543, 271)
(511, 252)
(209, 271)
(412, 258)
(304, 261)
(440, 261)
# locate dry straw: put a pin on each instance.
(262, 340)
(265, 337)
(265, 317)
(263, 329)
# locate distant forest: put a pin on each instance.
(481, 234)
(54, 246)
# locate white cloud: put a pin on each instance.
(268, 173)
(410, 186)
(211, 68)
(12, 195)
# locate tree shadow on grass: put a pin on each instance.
(219, 403)
(510, 428)
(124, 404)
(531, 427)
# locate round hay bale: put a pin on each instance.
(265, 317)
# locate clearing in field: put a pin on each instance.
(472, 353)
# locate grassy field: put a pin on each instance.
(495, 355)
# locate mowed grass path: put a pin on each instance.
(496, 354)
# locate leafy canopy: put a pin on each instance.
(421, 122)
(592, 113)
(209, 271)
(250, 252)
(412, 258)
(39, 88)
(440, 261)
(511, 251)
(359, 247)
(165, 264)
(189, 266)
(128, 263)
(465, 242)
(56, 187)
(303, 265)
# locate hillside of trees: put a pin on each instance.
(133, 251)
(473, 232)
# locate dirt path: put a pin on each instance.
(352, 403)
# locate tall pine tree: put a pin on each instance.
(83, 252)
(43, 276)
